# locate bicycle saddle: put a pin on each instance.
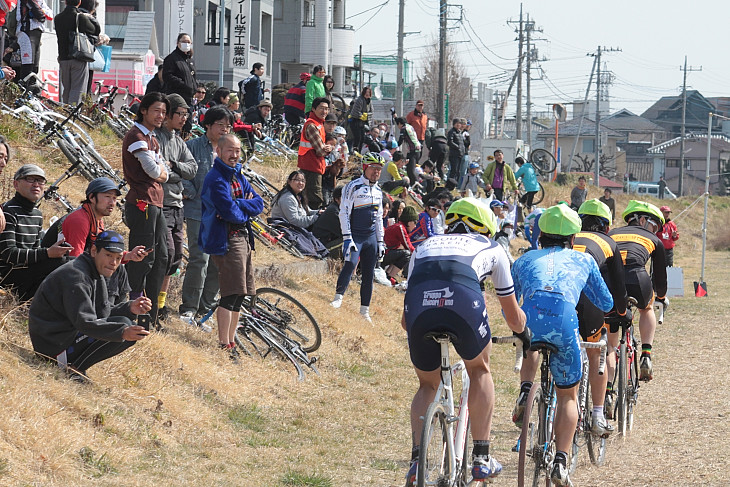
(541, 346)
(439, 335)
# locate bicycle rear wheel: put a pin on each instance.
(531, 470)
(633, 382)
(257, 342)
(539, 196)
(596, 444)
(622, 398)
(543, 161)
(436, 455)
(289, 316)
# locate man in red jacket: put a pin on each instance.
(668, 235)
(312, 151)
(419, 121)
(294, 101)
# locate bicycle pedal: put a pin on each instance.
(452, 419)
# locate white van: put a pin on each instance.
(652, 189)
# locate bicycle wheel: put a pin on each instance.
(622, 400)
(75, 158)
(76, 129)
(633, 382)
(289, 316)
(583, 425)
(463, 473)
(115, 127)
(596, 444)
(436, 455)
(543, 161)
(531, 470)
(539, 196)
(263, 344)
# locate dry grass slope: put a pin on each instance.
(175, 411)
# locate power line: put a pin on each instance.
(368, 10)
(374, 15)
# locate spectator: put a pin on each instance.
(360, 113)
(178, 74)
(200, 285)
(252, 88)
(145, 170)
(503, 237)
(198, 107)
(341, 147)
(398, 246)
(234, 105)
(409, 138)
(498, 175)
(662, 187)
(4, 160)
(331, 176)
(438, 151)
(9, 7)
(396, 210)
(529, 181)
(221, 96)
(466, 126)
(312, 151)
(71, 320)
(472, 181)
(181, 166)
(73, 74)
(608, 200)
(23, 262)
(330, 122)
(290, 203)
(294, 101)
(89, 7)
(439, 222)
(424, 226)
(392, 180)
(329, 86)
(228, 204)
(427, 178)
(579, 193)
(258, 114)
(156, 83)
(315, 89)
(31, 17)
(371, 142)
(669, 234)
(361, 220)
(456, 150)
(419, 121)
(327, 227)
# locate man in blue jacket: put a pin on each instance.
(229, 202)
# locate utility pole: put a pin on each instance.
(528, 30)
(442, 63)
(597, 168)
(399, 71)
(680, 188)
(362, 83)
(222, 49)
(518, 116)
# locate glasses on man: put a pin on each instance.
(35, 181)
(433, 208)
(223, 125)
(184, 114)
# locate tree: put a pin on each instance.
(584, 163)
(457, 85)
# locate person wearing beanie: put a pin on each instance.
(294, 101)
(398, 246)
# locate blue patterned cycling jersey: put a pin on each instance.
(563, 271)
(360, 209)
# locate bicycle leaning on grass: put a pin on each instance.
(272, 323)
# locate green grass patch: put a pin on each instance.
(97, 465)
(247, 417)
(385, 464)
(305, 480)
(358, 370)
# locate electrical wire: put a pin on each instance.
(374, 15)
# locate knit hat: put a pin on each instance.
(176, 101)
(409, 215)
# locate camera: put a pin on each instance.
(144, 321)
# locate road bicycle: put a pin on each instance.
(273, 323)
(444, 449)
(537, 438)
(543, 161)
(626, 376)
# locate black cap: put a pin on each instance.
(331, 117)
(111, 241)
(29, 170)
(102, 185)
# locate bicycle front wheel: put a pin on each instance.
(290, 316)
(622, 397)
(531, 470)
(436, 455)
(633, 384)
(543, 161)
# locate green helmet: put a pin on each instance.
(474, 214)
(636, 207)
(372, 158)
(595, 207)
(560, 220)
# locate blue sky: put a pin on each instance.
(654, 36)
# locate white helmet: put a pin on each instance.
(340, 130)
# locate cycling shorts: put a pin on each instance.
(639, 287)
(553, 320)
(590, 319)
(444, 306)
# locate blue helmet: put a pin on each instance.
(474, 165)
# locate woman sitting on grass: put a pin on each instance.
(290, 203)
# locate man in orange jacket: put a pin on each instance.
(312, 151)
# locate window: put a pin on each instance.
(672, 163)
(589, 145)
(308, 18)
(213, 26)
(116, 12)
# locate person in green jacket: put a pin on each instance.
(497, 175)
(315, 87)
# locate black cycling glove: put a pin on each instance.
(525, 337)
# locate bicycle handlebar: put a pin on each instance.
(518, 349)
(601, 344)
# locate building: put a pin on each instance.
(667, 112)
(639, 134)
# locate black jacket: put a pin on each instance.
(253, 115)
(73, 299)
(456, 144)
(155, 85)
(65, 23)
(178, 75)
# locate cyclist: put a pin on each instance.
(596, 218)
(445, 294)
(529, 181)
(638, 243)
(361, 220)
(550, 282)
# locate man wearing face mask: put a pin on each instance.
(178, 74)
